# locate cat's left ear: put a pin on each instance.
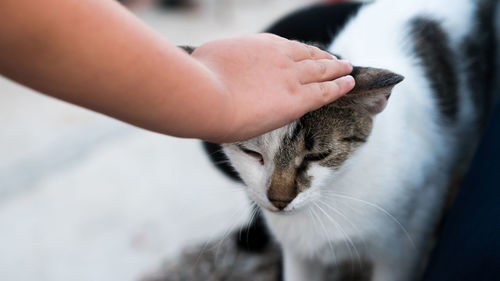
(373, 88)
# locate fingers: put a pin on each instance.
(319, 94)
(297, 50)
(322, 70)
(301, 51)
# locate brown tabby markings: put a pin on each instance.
(333, 130)
(329, 135)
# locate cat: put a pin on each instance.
(358, 181)
(364, 179)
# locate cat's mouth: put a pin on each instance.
(279, 204)
(286, 211)
(283, 207)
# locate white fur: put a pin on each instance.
(389, 192)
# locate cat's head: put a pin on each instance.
(285, 168)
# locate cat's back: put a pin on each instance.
(384, 26)
(446, 49)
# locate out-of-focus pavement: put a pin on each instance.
(85, 197)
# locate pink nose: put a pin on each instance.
(280, 204)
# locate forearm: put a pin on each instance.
(95, 54)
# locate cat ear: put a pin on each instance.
(373, 88)
(188, 49)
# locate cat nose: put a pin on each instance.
(280, 204)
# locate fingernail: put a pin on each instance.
(348, 79)
(346, 62)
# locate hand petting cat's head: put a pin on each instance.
(285, 168)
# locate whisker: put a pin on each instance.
(344, 203)
(234, 221)
(203, 249)
(377, 207)
(213, 236)
(325, 234)
(350, 244)
(222, 162)
(253, 215)
(216, 151)
(344, 217)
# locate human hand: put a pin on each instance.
(110, 62)
(269, 81)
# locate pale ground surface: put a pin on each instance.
(85, 197)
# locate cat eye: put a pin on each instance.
(253, 154)
(353, 139)
(313, 157)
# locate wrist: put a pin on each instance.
(218, 115)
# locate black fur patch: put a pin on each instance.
(219, 159)
(309, 140)
(318, 23)
(480, 54)
(431, 45)
(354, 139)
(255, 236)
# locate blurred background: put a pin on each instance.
(86, 197)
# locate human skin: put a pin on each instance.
(96, 54)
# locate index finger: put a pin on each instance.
(302, 51)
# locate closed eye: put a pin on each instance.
(252, 153)
(317, 156)
(353, 139)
